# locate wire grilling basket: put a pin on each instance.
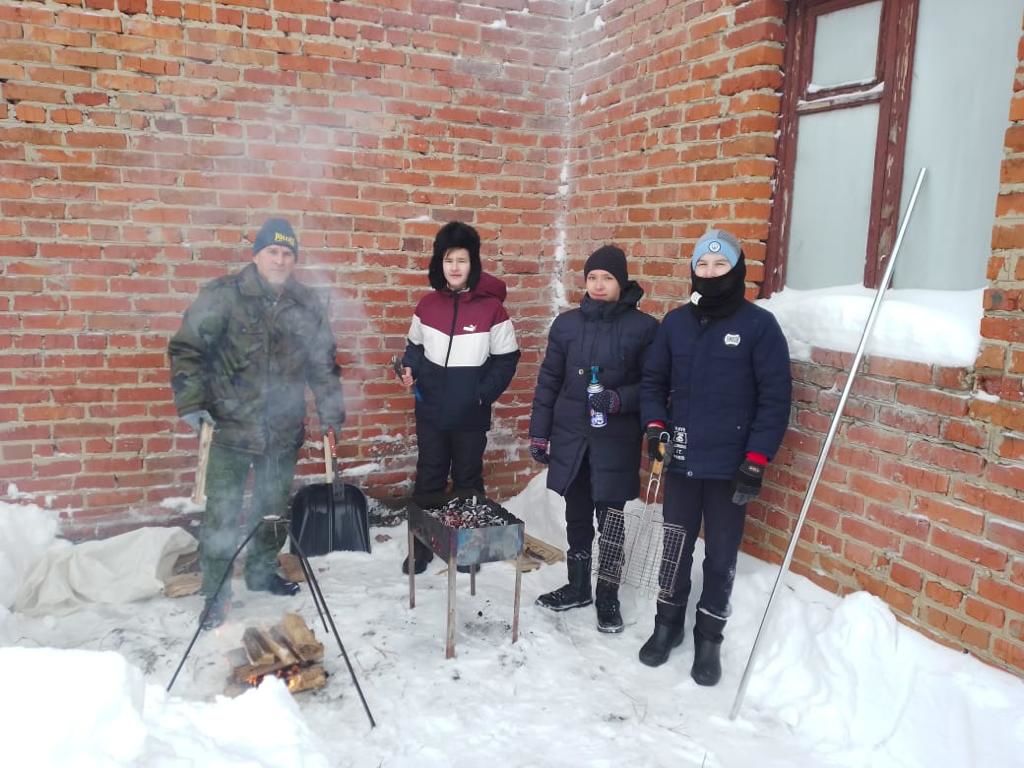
(639, 549)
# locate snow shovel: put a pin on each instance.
(331, 516)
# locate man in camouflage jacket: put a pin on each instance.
(246, 350)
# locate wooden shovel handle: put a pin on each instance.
(328, 458)
(205, 441)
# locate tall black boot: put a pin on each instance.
(609, 617)
(421, 556)
(707, 642)
(577, 593)
(668, 634)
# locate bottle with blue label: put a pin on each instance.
(597, 418)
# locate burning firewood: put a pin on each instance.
(289, 650)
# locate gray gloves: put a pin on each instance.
(196, 418)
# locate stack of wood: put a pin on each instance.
(537, 552)
(288, 650)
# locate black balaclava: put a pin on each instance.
(719, 296)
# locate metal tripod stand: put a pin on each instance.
(314, 590)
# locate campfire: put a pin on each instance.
(289, 650)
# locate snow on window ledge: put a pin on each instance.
(933, 327)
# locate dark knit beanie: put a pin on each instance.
(276, 232)
(612, 260)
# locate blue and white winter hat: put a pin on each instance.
(718, 242)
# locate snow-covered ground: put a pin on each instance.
(840, 682)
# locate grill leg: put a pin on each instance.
(412, 570)
(515, 609)
(472, 579)
(449, 650)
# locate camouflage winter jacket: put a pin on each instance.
(246, 355)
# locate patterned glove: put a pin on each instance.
(655, 445)
(605, 401)
(746, 485)
(196, 419)
(539, 450)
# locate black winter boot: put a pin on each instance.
(215, 611)
(421, 556)
(609, 617)
(668, 634)
(577, 593)
(707, 642)
(274, 584)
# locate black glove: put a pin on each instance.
(539, 450)
(196, 418)
(655, 442)
(746, 485)
(605, 401)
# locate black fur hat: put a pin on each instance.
(455, 234)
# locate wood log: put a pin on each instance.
(300, 638)
(291, 567)
(307, 679)
(258, 651)
(279, 650)
(183, 584)
(246, 673)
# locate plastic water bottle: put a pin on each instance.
(597, 418)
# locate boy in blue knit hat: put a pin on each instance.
(717, 383)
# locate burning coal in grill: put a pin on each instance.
(467, 513)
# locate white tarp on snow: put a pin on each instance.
(120, 569)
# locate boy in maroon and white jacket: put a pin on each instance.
(461, 355)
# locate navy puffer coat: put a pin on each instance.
(614, 337)
(725, 380)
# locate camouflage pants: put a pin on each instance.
(225, 524)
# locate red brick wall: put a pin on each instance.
(676, 104)
(921, 503)
(142, 142)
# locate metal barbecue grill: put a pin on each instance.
(467, 532)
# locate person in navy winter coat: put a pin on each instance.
(461, 355)
(717, 380)
(592, 467)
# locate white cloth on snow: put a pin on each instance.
(127, 567)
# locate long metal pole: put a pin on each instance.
(823, 456)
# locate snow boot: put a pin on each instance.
(707, 642)
(577, 593)
(668, 634)
(609, 617)
(215, 611)
(421, 556)
(274, 584)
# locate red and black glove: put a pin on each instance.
(657, 439)
(746, 485)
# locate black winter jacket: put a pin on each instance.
(726, 381)
(614, 337)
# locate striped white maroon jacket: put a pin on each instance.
(463, 353)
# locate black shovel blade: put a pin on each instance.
(318, 531)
